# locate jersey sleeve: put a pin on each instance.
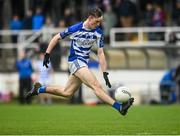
(100, 40)
(70, 30)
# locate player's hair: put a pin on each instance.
(96, 12)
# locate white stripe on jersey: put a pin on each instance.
(80, 50)
(82, 54)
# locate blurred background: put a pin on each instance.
(142, 47)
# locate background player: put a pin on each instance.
(83, 36)
(44, 76)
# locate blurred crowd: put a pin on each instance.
(117, 13)
(38, 14)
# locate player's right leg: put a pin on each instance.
(72, 85)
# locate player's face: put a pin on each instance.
(95, 22)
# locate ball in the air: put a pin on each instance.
(122, 94)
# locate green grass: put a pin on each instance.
(81, 120)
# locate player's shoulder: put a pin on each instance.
(76, 26)
(99, 30)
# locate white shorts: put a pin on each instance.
(75, 65)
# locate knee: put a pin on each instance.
(63, 92)
(67, 94)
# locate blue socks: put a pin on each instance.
(42, 89)
(117, 106)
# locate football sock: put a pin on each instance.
(117, 106)
(42, 89)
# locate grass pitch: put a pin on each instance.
(84, 120)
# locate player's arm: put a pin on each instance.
(103, 65)
(53, 42)
(51, 45)
(70, 30)
(102, 60)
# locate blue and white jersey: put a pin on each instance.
(82, 40)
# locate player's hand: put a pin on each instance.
(105, 75)
(46, 60)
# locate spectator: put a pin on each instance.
(109, 21)
(44, 75)
(148, 19)
(68, 17)
(27, 23)
(176, 13)
(1, 18)
(172, 38)
(47, 35)
(95, 3)
(159, 17)
(25, 70)
(116, 6)
(127, 17)
(15, 24)
(149, 13)
(55, 57)
(128, 13)
(167, 87)
(38, 20)
(61, 23)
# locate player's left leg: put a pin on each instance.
(89, 79)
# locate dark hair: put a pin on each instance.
(96, 12)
